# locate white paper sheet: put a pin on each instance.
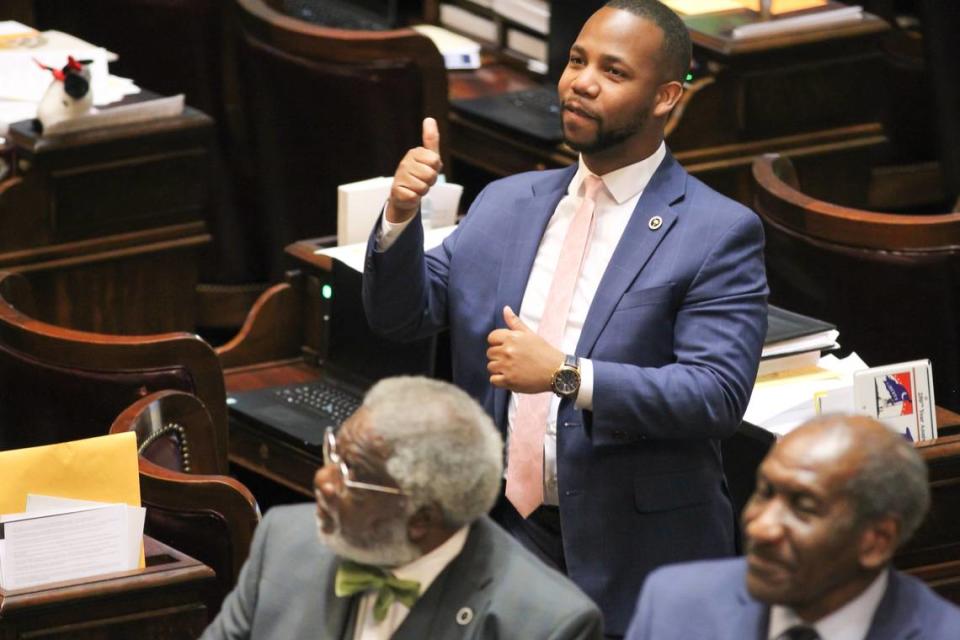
(780, 404)
(353, 255)
(44, 547)
(136, 516)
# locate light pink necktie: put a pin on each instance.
(525, 450)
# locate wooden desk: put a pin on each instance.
(164, 601)
(818, 98)
(108, 224)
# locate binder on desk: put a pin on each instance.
(794, 341)
(788, 329)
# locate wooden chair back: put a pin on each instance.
(323, 107)
(890, 282)
(61, 384)
(208, 516)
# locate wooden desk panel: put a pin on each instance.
(108, 225)
(164, 601)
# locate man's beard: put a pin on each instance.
(386, 547)
(608, 139)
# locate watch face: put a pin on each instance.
(567, 381)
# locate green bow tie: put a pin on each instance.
(353, 577)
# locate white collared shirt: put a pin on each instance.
(615, 205)
(849, 622)
(424, 570)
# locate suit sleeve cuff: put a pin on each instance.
(585, 395)
(389, 231)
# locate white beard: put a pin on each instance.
(388, 547)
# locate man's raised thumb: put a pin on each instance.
(513, 322)
(431, 135)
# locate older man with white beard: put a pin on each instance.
(404, 550)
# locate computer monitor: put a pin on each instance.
(566, 19)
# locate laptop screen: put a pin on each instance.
(354, 348)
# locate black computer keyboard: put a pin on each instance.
(542, 100)
(329, 13)
(323, 398)
(534, 112)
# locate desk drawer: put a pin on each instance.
(266, 455)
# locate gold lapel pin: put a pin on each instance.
(655, 223)
(464, 616)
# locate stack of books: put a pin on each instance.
(794, 342)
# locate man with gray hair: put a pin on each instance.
(404, 549)
(835, 498)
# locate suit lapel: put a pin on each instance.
(896, 616)
(533, 212)
(338, 612)
(751, 620)
(636, 246)
(459, 587)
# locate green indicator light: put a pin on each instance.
(326, 292)
(689, 77)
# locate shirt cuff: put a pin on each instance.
(389, 231)
(585, 395)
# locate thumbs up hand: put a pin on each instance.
(520, 360)
(416, 173)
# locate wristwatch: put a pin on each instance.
(566, 379)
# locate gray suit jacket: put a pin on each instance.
(285, 590)
(709, 601)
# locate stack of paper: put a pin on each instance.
(59, 539)
(458, 51)
(95, 527)
(353, 255)
(533, 14)
(800, 22)
(781, 402)
(468, 22)
(359, 205)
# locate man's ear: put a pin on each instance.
(424, 522)
(878, 542)
(668, 95)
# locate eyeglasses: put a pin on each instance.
(331, 456)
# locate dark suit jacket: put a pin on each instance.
(709, 601)
(285, 590)
(674, 332)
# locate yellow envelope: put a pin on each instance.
(103, 469)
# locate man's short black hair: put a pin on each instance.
(676, 50)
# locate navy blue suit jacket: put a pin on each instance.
(674, 332)
(709, 601)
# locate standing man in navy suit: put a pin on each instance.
(835, 499)
(609, 316)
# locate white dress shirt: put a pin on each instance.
(849, 622)
(615, 205)
(424, 570)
